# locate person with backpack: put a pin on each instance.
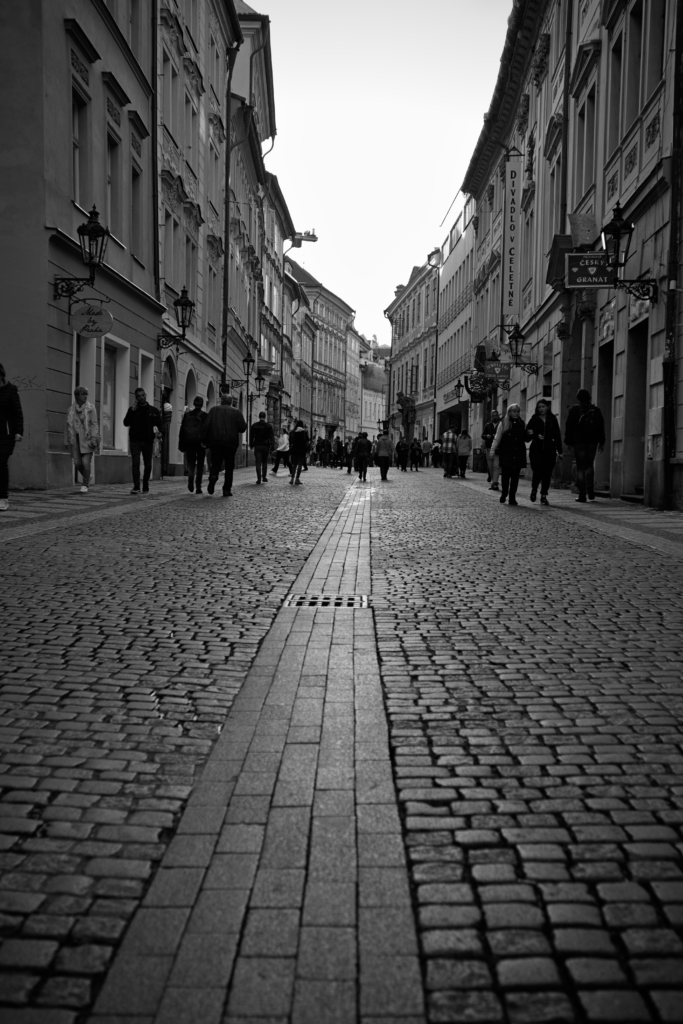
(190, 444)
(585, 432)
(221, 434)
(262, 441)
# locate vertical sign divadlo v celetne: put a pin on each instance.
(511, 247)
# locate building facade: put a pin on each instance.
(413, 354)
(83, 142)
(354, 343)
(586, 94)
(194, 40)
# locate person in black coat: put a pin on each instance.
(543, 431)
(585, 432)
(298, 446)
(510, 447)
(363, 450)
(11, 431)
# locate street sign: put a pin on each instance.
(497, 368)
(91, 321)
(589, 270)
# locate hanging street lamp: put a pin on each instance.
(93, 238)
(616, 241)
(184, 311)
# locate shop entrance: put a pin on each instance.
(635, 410)
(603, 400)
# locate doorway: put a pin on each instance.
(603, 400)
(635, 410)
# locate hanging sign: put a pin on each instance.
(91, 321)
(497, 368)
(511, 271)
(589, 270)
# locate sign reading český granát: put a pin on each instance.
(589, 270)
(511, 290)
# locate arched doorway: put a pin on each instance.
(190, 388)
(210, 396)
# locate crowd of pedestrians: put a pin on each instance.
(212, 440)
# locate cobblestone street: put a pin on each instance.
(377, 753)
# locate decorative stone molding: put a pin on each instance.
(539, 64)
(562, 330)
(214, 248)
(80, 68)
(172, 30)
(213, 224)
(631, 160)
(553, 136)
(528, 193)
(475, 221)
(523, 115)
(216, 129)
(587, 58)
(530, 152)
(584, 11)
(136, 144)
(173, 191)
(171, 159)
(586, 308)
(115, 88)
(193, 77)
(612, 185)
(113, 112)
(138, 124)
(490, 192)
(193, 219)
(190, 183)
(606, 322)
(652, 131)
(81, 39)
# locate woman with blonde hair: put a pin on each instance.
(509, 445)
(82, 434)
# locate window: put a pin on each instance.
(172, 253)
(79, 151)
(214, 66)
(212, 305)
(655, 46)
(190, 280)
(635, 46)
(191, 136)
(613, 134)
(191, 17)
(171, 95)
(113, 186)
(109, 397)
(136, 210)
(135, 27)
(419, 308)
(214, 172)
(585, 146)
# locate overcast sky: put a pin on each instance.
(379, 104)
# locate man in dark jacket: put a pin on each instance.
(585, 432)
(402, 449)
(221, 435)
(142, 420)
(262, 440)
(190, 444)
(11, 431)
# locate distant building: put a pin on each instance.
(413, 353)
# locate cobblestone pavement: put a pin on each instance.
(228, 797)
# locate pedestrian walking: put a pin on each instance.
(363, 449)
(144, 422)
(262, 441)
(282, 452)
(463, 448)
(492, 460)
(190, 444)
(221, 434)
(82, 434)
(298, 446)
(385, 451)
(402, 451)
(11, 431)
(585, 432)
(449, 449)
(543, 431)
(426, 452)
(348, 455)
(436, 454)
(509, 445)
(415, 455)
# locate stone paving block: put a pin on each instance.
(478, 1007)
(189, 1005)
(332, 854)
(271, 933)
(204, 961)
(174, 887)
(278, 887)
(190, 851)
(262, 987)
(156, 931)
(528, 972)
(286, 838)
(327, 954)
(240, 839)
(611, 1005)
(330, 903)
(539, 1008)
(219, 910)
(134, 985)
(390, 984)
(338, 998)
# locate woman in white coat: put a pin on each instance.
(82, 434)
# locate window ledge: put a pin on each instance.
(113, 238)
(138, 261)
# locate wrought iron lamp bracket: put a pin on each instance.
(645, 290)
(169, 340)
(67, 287)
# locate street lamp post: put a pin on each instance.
(434, 261)
(93, 238)
(248, 364)
(184, 310)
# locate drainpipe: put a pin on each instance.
(155, 154)
(232, 57)
(670, 355)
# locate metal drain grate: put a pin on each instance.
(326, 601)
